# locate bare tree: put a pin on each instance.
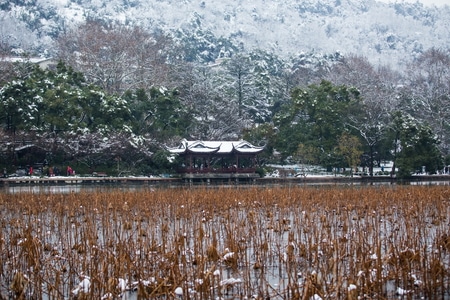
(429, 97)
(116, 57)
(216, 117)
(6, 66)
(378, 88)
(239, 68)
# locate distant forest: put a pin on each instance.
(117, 96)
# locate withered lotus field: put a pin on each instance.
(228, 243)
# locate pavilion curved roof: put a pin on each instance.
(216, 147)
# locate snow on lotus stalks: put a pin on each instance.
(277, 243)
(179, 291)
(83, 286)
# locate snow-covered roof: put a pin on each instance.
(218, 147)
(34, 60)
(19, 148)
(42, 62)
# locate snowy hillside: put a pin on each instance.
(385, 33)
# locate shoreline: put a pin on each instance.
(110, 180)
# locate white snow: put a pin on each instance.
(179, 291)
(384, 32)
(402, 292)
(230, 281)
(83, 286)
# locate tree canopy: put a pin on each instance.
(315, 118)
(47, 101)
(119, 90)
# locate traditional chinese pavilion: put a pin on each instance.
(217, 159)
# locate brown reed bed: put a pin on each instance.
(260, 243)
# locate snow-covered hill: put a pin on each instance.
(385, 33)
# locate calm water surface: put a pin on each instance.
(77, 188)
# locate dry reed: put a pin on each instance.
(233, 243)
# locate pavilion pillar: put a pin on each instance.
(208, 162)
(190, 162)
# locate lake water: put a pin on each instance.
(77, 188)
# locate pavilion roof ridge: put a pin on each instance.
(209, 147)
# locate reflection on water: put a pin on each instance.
(68, 188)
(76, 188)
(56, 189)
(430, 183)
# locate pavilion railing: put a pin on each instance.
(216, 170)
